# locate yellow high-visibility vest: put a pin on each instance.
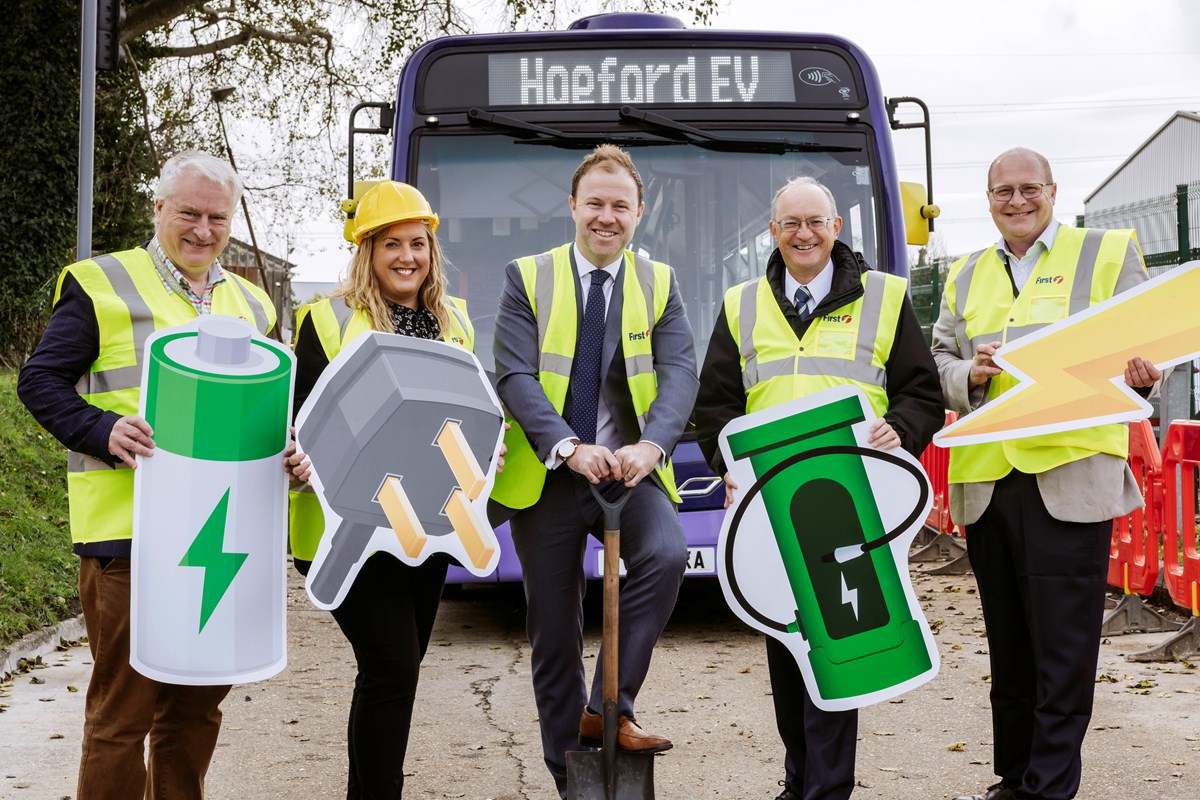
(1080, 270)
(848, 346)
(336, 325)
(131, 303)
(550, 281)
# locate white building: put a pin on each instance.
(1143, 193)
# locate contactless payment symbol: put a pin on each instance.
(402, 434)
(815, 548)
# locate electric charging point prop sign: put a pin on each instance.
(814, 550)
(208, 587)
(403, 435)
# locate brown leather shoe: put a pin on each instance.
(630, 735)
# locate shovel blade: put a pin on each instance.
(587, 780)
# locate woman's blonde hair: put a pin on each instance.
(361, 287)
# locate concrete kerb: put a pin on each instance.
(39, 643)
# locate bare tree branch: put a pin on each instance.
(247, 34)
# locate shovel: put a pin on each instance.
(609, 773)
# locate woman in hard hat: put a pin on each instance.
(396, 284)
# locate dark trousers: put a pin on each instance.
(550, 538)
(819, 745)
(1041, 582)
(387, 617)
(124, 707)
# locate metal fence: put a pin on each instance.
(1168, 226)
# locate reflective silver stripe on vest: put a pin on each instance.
(962, 287)
(543, 298)
(821, 365)
(256, 308)
(78, 462)
(644, 270)
(458, 314)
(141, 321)
(985, 338)
(110, 380)
(868, 326)
(1017, 331)
(342, 314)
(747, 317)
(1085, 270)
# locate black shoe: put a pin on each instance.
(996, 792)
(787, 793)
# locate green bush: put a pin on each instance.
(37, 569)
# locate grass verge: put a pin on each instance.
(38, 573)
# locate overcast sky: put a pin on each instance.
(1083, 81)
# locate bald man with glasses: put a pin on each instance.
(1038, 511)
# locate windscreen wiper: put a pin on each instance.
(531, 133)
(713, 141)
(519, 127)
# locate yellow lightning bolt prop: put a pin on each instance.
(1071, 373)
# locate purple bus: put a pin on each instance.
(491, 127)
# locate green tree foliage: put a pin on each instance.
(39, 132)
(298, 67)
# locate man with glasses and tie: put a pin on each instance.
(596, 367)
(815, 292)
(1038, 511)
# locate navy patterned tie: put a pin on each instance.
(801, 299)
(585, 376)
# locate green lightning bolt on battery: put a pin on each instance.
(856, 611)
(210, 506)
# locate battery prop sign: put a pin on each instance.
(210, 507)
(814, 550)
(403, 435)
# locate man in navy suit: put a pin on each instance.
(596, 367)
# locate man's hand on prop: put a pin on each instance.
(983, 368)
(503, 453)
(730, 488)
(637, 461)
(1141, 374)
(131, 437)
(594, 462)
(883, 436)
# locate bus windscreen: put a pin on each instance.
(706, 213)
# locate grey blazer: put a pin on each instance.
(515, 348)
(1093, 489)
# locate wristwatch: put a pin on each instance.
(567, 449)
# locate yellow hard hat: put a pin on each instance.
(389, 202)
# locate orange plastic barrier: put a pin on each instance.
(936, 461)
(1181, 561)
(1133, 557)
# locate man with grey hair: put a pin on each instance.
(816, 291)
(82, 384)
(1038, 511)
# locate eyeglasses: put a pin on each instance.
(816, 224)
(1030, 191)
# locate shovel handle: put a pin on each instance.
(612, 511)
(609, 682)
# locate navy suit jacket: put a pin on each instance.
(516, 352)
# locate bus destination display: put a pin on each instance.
(650, 77)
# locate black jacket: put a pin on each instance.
(914, 393)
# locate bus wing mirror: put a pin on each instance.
(350, 207)
(917, 212)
